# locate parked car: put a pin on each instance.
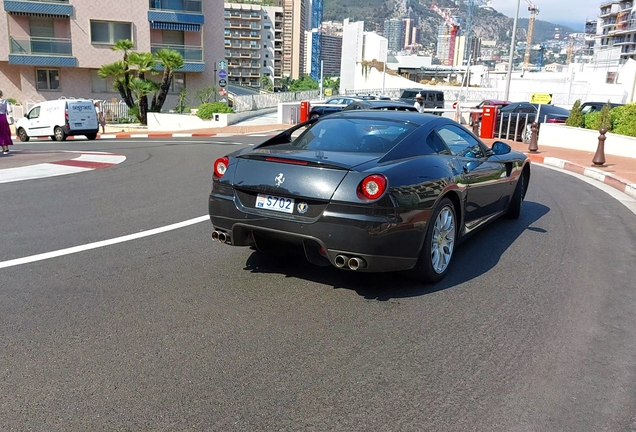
(432, 98)
(331, 105)
(588, 107)
(385, 105)
(371, 191)
(59, 119)
(516, 119)
(476, 116)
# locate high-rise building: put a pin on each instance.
(394, 33)
(253, 43)
(616, 33)
(294, 25)
(54, 49)
(409, 26)
(331, 54)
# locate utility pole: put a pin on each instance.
(512, 52)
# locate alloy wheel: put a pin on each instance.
(443, 241)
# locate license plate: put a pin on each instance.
(271, 202)
(77, 124)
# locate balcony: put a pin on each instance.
(42, 52)
(176, 11)
(56, 8)
(192, 56)
(188, 6)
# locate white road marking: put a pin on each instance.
(100, 244)
(43, 170)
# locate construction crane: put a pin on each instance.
(470, 4)
(453, 27)
(534, 11)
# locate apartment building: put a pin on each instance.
(253, 43)
(54, 48)
(394, 32)
(615, 33)
(294, 26)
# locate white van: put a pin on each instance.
(59, 119)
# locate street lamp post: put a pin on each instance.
(512, 52)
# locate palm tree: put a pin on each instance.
(170, 60)
(125, 45)
(143, 63)
(142, 88)
(116, 72)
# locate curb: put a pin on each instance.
(86, 161)
(616, 182)
(156, 135)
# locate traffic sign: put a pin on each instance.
(222, 74)
(222, 64)
(222, 92)
(222, 83)
(541, 98)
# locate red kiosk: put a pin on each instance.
(488, 122)
(305, 107)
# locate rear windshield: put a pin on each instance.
(353, 135)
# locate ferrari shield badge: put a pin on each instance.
(302, 207)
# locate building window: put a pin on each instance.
(177, 84)
(101, 85)
(47, 79)
(267, 26)
(264, 63)
(105, 32)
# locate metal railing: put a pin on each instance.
(190, 53)
(193, 6)
(36, 45)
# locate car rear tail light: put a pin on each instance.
(66, 116)
(555, 120)
(372, 187)
(220, 166)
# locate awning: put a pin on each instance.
(160, 25)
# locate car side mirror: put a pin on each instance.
(500, 148)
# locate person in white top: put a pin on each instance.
(101, 119)
(5, 130)
(419, 103)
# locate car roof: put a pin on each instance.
(413, 117)
(382, 103)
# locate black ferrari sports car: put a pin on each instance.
(367, 190)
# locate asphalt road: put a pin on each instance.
(533, 330)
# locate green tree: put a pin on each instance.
(170, 60)
(304, 83)
(266, 83)
(205, 94)
(333, 83)
(576, 118)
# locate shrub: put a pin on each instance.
(593, 120)
(576, 118)
(605, 119)
(624, 122)
(207, 110)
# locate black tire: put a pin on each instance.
(59, 134)
(516, 202)
(92, 136)
(425, 270)
(23, 135)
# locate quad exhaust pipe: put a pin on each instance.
(353, 263)
(220, 236)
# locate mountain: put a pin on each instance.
(488, 24)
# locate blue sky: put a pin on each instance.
(566, 12)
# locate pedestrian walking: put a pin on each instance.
(419, 103)
(5, 119)
(101, 118)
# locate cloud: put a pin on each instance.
(567, 12)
